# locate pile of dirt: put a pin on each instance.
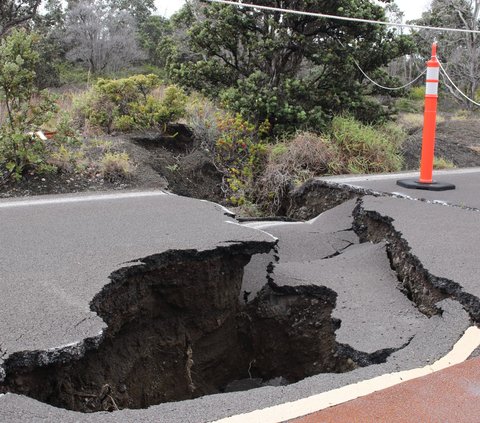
(161, 160)
(172, 160)
(456, 140)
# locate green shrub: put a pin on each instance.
(363, 148)
(442, 163)
(67, 159)
(239, 153)
(393, 132)
(130, 103)
(407, 105)
(124, 123)
(236, 146)
(417, 93)
(27, 108)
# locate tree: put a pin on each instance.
(291, 70)
(27, 108)
(101, 38)
(459, 52)
(139, 9)
(50, 24)
(155, 35)
(14, 13)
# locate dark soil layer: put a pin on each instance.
(60, 183)
(314, 197)
(168, 160)
(456, 140)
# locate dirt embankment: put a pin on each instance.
(456, 140)
(170, 160)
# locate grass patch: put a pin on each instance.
(115, 166)
(349, 147)
(364, 148)
(442, 163)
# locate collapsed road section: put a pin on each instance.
(210, 309)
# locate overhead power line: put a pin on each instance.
(444, 73)
(342, 18)
(389, 88)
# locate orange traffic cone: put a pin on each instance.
(429, 126)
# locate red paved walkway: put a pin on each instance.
(448, 396)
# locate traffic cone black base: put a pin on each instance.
(433, 186)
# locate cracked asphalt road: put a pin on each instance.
(56, 255)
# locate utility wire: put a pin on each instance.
(444, 73)
(370, 21)
(376, 83)
(389, 88)
(342, 18)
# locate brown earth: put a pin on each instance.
(170, 160)
(456, 140)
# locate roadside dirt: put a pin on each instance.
(169, 161)
(456, 140)
(174, 162)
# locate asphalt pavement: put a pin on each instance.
(57, 253)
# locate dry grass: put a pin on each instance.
(290, 164)
(413, 121)
(442, 163)
(3, 113)
(115, 166)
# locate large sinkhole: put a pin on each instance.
(177, 330)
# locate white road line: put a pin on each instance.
(291, 410)
(274, 238)
(78, 199)
(388, 176)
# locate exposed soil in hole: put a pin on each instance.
(315, 197)
(177, 330)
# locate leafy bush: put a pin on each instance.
(417, 93)
(239, 154)
(27, 108)
(130, 103)
(236, 146)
